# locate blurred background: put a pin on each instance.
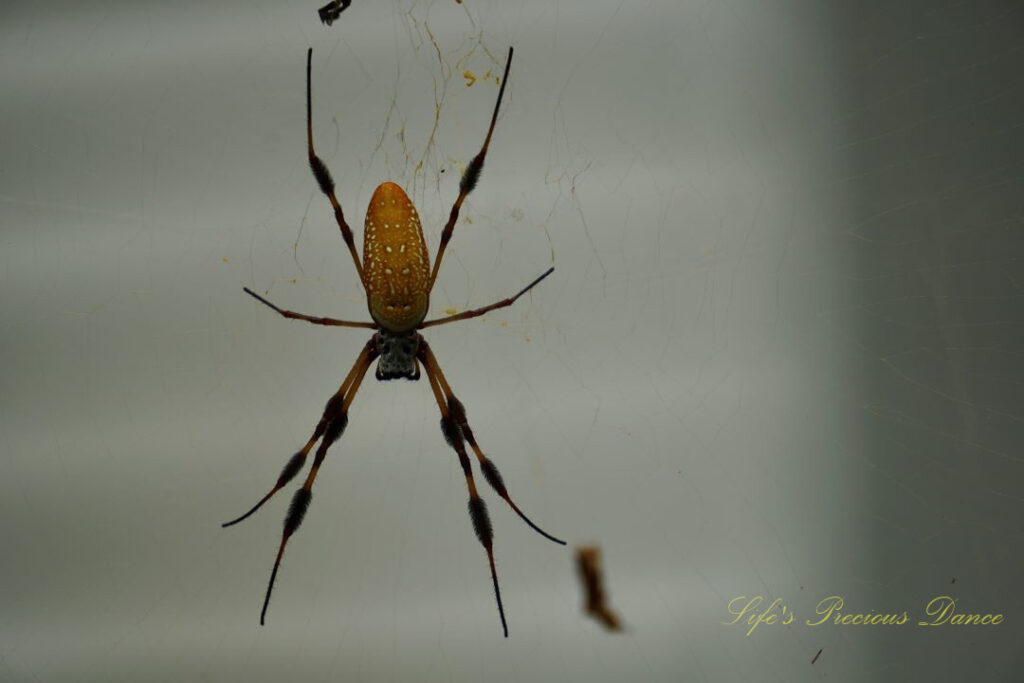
(780, 355)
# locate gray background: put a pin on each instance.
(780, 354)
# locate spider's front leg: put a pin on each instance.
(330, 427)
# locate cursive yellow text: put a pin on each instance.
(748, 610)
(830, 609)
(942, 610)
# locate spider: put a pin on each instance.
(396, 273)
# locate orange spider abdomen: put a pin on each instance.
(396, 265)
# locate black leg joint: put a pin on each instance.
(457, 410)
(481, 521)
(297, 510)
(291, 468)
(335, 428)
(322, 175)
(333, 404)
(493, 477)
(452, 433)
(472, 174)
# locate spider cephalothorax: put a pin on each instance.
(397, 355)
(396, 273)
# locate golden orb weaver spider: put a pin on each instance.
(396, 273)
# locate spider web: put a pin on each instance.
(779, 355)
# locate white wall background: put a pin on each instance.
(780, 354)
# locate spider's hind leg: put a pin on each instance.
(458, 416)
(295, 463)
(477, 508)
(336, 422)
(328, 430)
(487, 466)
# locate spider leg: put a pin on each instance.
(458, 415)
(320, 172)
(309, 318)
(480, 311)
(334, 428)
(477, 508)
(296, 462)
(469, 178)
